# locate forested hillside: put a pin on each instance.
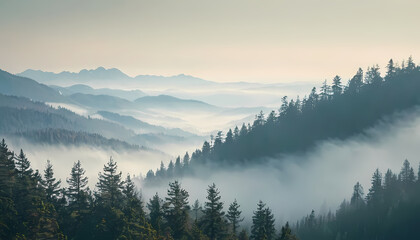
(336, 111)
(35, 205)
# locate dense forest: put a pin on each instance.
(336, 111)
(34, 205)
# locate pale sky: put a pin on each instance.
(218, 40)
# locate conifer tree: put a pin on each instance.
(77, 187)
(50, 184)
(178, 167)
(357, 197)
(286, 233)
(406, 175)
(375, 192)
(176, 209)
(213, 219)
(110, 185)
(262, 223)
(234, 216)
(337, 87)
(7, 171)
(156, 213)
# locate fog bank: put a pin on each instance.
(293, 185)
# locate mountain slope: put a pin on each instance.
(21, 86)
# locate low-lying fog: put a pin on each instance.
(318, 180)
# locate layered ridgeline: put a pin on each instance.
(34, 205)
(27, 113)
(336, 111)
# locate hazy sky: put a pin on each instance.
(219, 40)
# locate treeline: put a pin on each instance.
(335, 111)
(66, 137)
(390, 210)
(33, 205)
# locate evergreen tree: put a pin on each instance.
(262, 223)
(8, 214)
(50, 184)
(77, 187)
(171, 170)
(357, 197)
(7, 171)
(373, 76)
(391, 70)
(234, 216)
(236, 133)
(135, 224)
(178, 167)
(337, 87)
(156, 213)
(213, 220)
(176, 209)
(325, 91)
(229, 136)
(375, 192)
(356, 82)
(286, 233)
(406, 175)
(110, 185)
(186, 162)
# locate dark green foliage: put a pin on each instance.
(156, 213)
(391, 212)
(262, 223)
(110, 185)
(335, 112)
(213, 221)
(234, 216)
(286, 233)
(176, 210)
(50, 184)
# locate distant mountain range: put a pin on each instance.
(112, 77)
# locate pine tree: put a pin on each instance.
(23, 166)
(286, 233)
(176, 209)
(229, 136)
(135, 224)
(77, 187)
(50, 184)
(213, 218)
(171, 170)
(356, 82)
(373, 76)
(337, 87)
(156, 213)
(178, 167)
(186, 163)
(236, 133)
(357, 197)
(325, 91)
(262, 223)
(234, 216)
(375, 192)
(391, 70)
(8, 218)
(406, 175)
(110, 185)
(7, 171)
